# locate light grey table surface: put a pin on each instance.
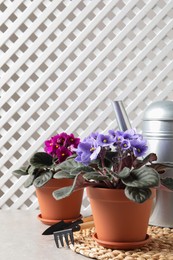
(21, 238)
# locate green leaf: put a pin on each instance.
(41, 159)
(78, 183)
(111, 156)
(32, 170)
(66, 191)
(138, 195)
(29, 181)
(63, 174)
(43, 179)
(94, 176)
(124, 173)
(63, 192)
(161, 167)
(168, 183)
(143, 177)
(21, 171)
(67, 165)
(107, 163)
(81, 169)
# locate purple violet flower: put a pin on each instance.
(119, 137)
(94, 135)
(139, 147)
(112, 133)
(104, 140)
(87, 151)
(130, 134)
(125, 144)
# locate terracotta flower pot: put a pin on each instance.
(53, 210)
(117, 219)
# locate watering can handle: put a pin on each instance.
(121, 115)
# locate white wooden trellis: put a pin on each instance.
(63, 61)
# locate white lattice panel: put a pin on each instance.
(63, 61)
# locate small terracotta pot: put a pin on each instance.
(64, 209)
(116, 218)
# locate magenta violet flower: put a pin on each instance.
(61, 139)
(72, 141)
(49, 146)
(61, 146)
(63, 153)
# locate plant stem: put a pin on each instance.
(102, 155)
(108, 183)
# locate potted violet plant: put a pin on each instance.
(120, 185)
(41, 170)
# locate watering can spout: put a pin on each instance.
(121, 115)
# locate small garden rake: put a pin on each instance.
(65, 237)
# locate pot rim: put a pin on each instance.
(109, 194)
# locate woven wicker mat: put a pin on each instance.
(159, 247)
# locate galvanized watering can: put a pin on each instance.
(157, 128)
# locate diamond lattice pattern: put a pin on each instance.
(63, 62)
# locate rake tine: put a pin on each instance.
(61, 239)
(56, 239)
(71, 237)
(58, 235)
(67, 234)
(67, 237)
(61, 235)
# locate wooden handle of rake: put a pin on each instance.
(87, 219)
(86, 225)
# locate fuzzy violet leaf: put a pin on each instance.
(138, 195)
(111, 156)
(142, 178)
(41, 159)
(168, 183)
(161, 167)
(63, 192)
(29, 181)
(21, 171)
(95, 176)
(124, 173)
(148, 159)
(61, 174)
(33, 170)
(81, 169)
(66, 191)
(43, 179)
(68, 165)
(79, 183)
